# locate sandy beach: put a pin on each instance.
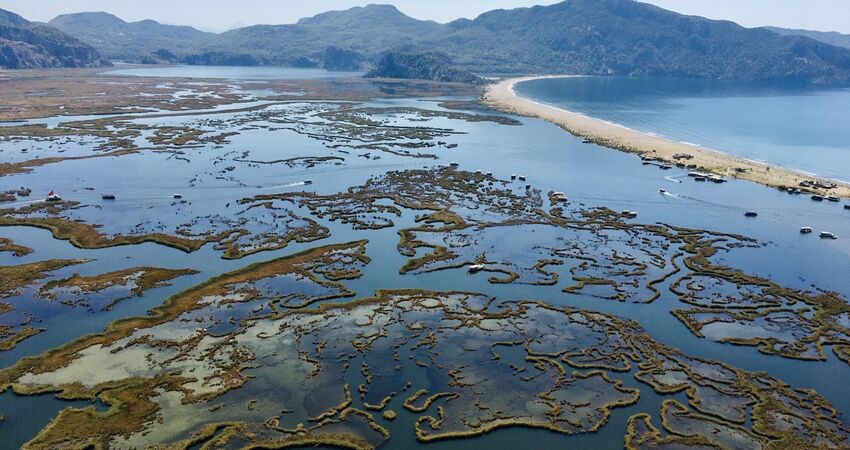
(501, 96)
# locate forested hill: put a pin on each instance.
(829, 37)
(419, 65)
(139, 42)
(26, 45)
(612, 37)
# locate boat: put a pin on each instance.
(662, 191)
(699, 178)
(805, 230)
(475, 268)
(834, 198)
(630, 214)
(107, 196)
(521, 178)
(666, 167)
(53, 197)
(489, 174)
(308, 181)
(817, 198)
(454, 164)
(178, 195)
(751, 214)
(846, 206)
(513, 176)
(827, 235)
(528, 186)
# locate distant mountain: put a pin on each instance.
(368, 31)
(411, 64)
(603, 37)
(624, 37)
(25, 45)
(829, 37)
(599, 37)
(144, 41)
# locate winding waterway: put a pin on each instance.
(552, 160)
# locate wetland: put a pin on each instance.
(244, 261)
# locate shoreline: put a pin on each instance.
(502, 97)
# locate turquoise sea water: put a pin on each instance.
(802, 128)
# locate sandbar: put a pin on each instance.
(501, 96)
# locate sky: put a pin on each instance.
(220, 15)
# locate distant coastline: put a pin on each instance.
(501, 96)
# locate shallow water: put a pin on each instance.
(792, 126)
(551, 159)
(233, 73)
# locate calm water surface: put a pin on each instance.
(233, 73)
(552, 160)
(791, 126)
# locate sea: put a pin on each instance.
(794, 126)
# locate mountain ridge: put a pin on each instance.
(828, 37)
(27, 45)
(591, 37)
(117, 39)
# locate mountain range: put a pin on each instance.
(128, 41)
(27, 45)
(599, 37)
(829, 37)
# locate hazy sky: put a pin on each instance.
(825, 15)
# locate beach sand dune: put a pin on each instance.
(501, 96)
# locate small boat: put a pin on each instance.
(478, 172)
(475, 268)
(178, 196)
(528, 186)
(834, 198)
(489, 174)
(666, 167)
(699, 178)
(751, 214)
(586, 141)
(454, 164)
(717, 180)
(827, 235)
(107, 196)
(521, 178)
(513, 176)
(53, 197)
(630, 214)
(308, 181)
(805, 230)
(817, 198)
(846, 206)
(662, 191)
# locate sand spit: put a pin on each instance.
(501, 96)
